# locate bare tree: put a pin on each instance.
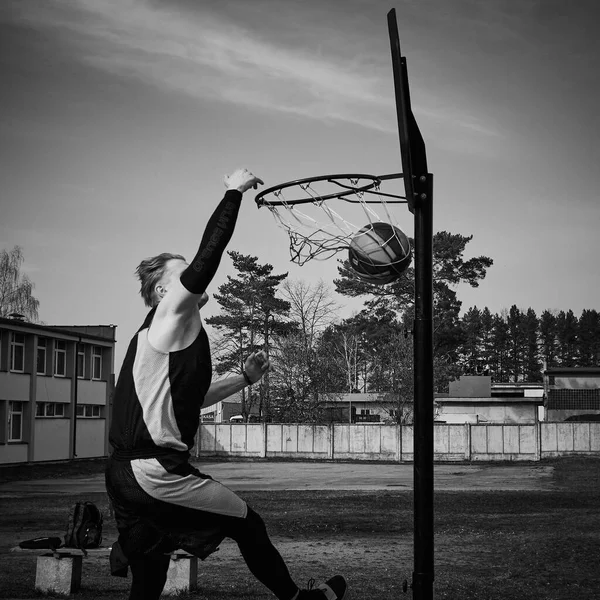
(298, 372)
(346, 356)
(15, 287)
(312, 307)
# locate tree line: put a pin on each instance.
(517, 345)
(314, 352)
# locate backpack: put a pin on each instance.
(84, 529)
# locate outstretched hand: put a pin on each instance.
(242, 180)
(256, 365)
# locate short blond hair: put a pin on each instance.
(150, 271)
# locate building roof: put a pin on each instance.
(491, 400)
(105, 333)
(573, 371)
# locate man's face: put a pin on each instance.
(174, 268)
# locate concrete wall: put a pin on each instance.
(13, 453)
(90, 438)
(51, 439)
(493, 412)
(461, 442)
(91, 392)
(15, 386)
(559, 439)
(53, 389)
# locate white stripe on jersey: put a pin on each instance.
(153, 389)
(189, 491)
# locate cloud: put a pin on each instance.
(204, 54)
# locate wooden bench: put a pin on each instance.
(59, 571)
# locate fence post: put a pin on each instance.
(468, 442)
(265, 425)
(332, 441)
(538, 439)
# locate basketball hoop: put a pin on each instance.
(322, 214)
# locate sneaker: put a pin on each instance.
(332, 589)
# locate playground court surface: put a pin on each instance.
(264, 475)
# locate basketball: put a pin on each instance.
(379, 253)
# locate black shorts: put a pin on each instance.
(159, 511)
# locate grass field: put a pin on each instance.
(488, 545)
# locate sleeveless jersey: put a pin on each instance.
(157, 399)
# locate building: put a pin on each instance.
(223, 411)
(337, 408)
(470, 399)
(362, 407)
(572, 393)
(475, 399)
(55, 389)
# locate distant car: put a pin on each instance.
(240, 419)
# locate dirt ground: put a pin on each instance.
(502, 531)
(267, 475)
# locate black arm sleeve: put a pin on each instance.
(216, 236)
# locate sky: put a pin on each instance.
(120, 119)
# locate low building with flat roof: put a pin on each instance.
(572, 393)
(56, 383)
(475, 399)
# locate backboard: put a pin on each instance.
(412, 146)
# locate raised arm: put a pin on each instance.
(177, 320)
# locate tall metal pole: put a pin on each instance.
(423, 574)
(418, 183)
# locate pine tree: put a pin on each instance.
(471, 349)
(251, 315)
(516, 336)
(487, 343)
(532, 367)
(566, 334)
(450, 269)
(588, 338)
(548, 339)
(501, 341)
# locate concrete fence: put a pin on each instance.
(391, 443)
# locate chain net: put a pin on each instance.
(322, 217)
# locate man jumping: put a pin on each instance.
(161, 502)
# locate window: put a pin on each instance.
(49, 409)
(89, 411)
(60, 358)
(17, 352)
(15, 421)
(41, 356)
(80, 361)
(96, 362)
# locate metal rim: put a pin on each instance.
(374, 181)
